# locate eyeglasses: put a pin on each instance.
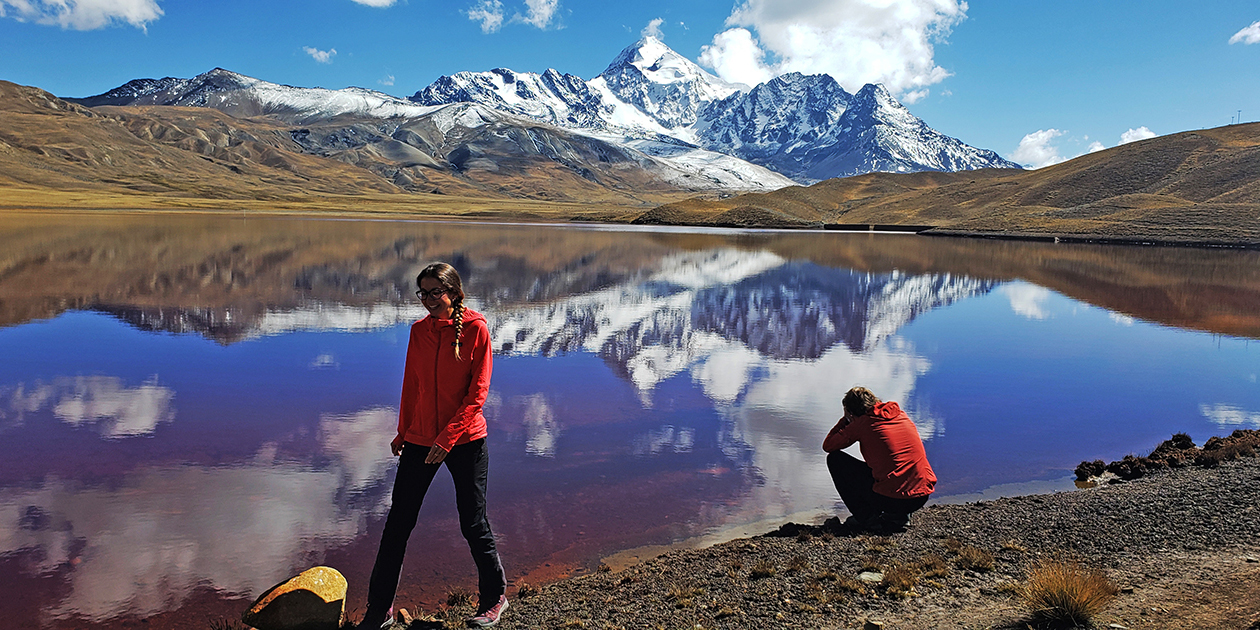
(435, 293)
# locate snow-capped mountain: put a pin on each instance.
(805, 127)
(559, 99)
(775, 123)
(651, 107)
(238, 95)
(660, 83)
(502, 123)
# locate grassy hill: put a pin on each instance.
(1200, 186)
(1194, 187)
(57, 154)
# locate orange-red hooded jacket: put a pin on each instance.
(891, 447)
(442, 396)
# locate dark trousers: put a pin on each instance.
(469, 468)
(855, 482)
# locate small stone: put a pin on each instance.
(1128, 590)
(315, 599)
(871, 577)
(1116, 626)
(403, 617)
(872, 625)
(1251, 559)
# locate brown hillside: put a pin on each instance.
(1192, 186)
(58, 154)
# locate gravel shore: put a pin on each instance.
(1181, 543)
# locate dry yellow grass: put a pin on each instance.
(1067, 592)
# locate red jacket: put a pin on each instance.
(442, 396)
(891, 447)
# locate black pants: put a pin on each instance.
(469, 468)
(855, 482)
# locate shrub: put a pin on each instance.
(525, 589)
(1129, 468)
(1066, 592)
(1090, 469)
(952, 544)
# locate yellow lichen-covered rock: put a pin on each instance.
(315, 599)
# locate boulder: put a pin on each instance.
(315, 599)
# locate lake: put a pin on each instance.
(193, 408)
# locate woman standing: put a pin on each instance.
(445, 382)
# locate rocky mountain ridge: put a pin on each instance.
(707, 133)
(806, 127)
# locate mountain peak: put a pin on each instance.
(659, 63)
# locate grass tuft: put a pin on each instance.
(797, 564)
(762, 569)
(869, 563)
(459, 597)
(876, 544)
(975, 559)
(933, 566)
(1066, 592)
(900, 580)
(525, 589)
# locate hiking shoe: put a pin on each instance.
(370, 622)
(489, 616)
(890, 523)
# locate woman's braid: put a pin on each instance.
(459, 326)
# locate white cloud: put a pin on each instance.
(1249, 35)
(1036, 150)
(1027, 300)
(380, 4)
(653, 29)
(322, 56)
(489, 13)
(539, 13)
(1122, 319)
(1226, 416)
(736, 56)
(855, 41)
(82, 15)
(1095, 147)
(388, 80)
(102, 402)
(1133, 135)
(910, 98)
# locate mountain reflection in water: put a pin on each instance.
(196, 407)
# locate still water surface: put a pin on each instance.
(194, 408)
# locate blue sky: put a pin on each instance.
(1035, 81)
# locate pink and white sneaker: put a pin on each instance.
(487, 617)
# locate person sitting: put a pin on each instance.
(895, 480)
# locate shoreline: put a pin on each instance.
(1182, 544)
(610, 218)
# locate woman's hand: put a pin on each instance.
(396, 446)
(436, 455)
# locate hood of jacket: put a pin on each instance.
(886, 411)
